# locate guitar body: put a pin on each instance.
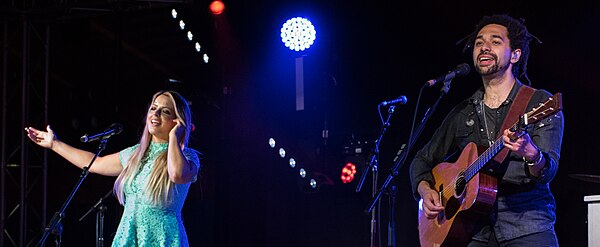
(465, 203)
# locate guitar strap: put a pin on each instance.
(516, 110)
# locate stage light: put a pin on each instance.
(308, 183)
(190, 36)
(348, 172)
(302, 173)
(298, 34)
(216, 7)
(271, 142)
(313, 183)
(355, 156)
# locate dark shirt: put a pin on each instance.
(524, 203)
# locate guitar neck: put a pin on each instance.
(483, 159)
(544, 110)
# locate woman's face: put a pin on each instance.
(160, 118)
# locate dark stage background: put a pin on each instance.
(107, 58)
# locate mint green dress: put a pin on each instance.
(143, 224)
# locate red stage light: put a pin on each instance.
(217, 7)
(348, 173)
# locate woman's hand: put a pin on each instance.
(42, 138)
(177, 130)
(180, 169)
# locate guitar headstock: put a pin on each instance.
(549, 107)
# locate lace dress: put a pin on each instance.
(143, 224)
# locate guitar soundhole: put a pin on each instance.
(459, 187)
(453, 203)
(451, 208)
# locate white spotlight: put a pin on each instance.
(190, 36)
(292, 162)
(174, 13)
(205, 58)
(302, 173)
(282, 152)
(198, 47)
(298, 34)
(271, 142)
(181, 24)
(313, 183)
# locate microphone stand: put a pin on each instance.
(55, 221)
(394, 171)
(392, 222)
(373, 164)
(100, 208)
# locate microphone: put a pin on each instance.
(460, 70)
(400, 100)
(114, 129)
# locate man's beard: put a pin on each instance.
(496, 68)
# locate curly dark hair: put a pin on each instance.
(517, 34)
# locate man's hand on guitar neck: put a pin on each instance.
(522, 145)
(431, 204)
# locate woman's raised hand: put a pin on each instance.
(42, 138)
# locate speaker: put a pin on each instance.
(593, 217)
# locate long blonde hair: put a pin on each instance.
(159, 188)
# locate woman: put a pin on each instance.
(153, 176)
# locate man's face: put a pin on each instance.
(491, 50)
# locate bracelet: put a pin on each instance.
(537, 160)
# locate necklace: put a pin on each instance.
(487, 132)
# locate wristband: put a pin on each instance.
(537, 160)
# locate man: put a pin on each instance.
(523, 210)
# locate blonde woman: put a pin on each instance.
(153, 176)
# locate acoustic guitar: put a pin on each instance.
(467, 194)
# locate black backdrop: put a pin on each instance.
(104, 69)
